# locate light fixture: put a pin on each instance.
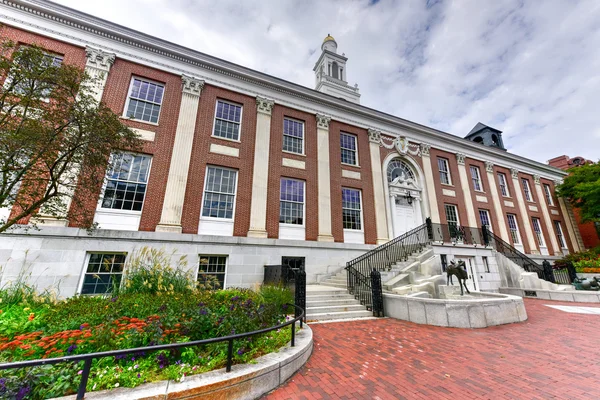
(409, 198)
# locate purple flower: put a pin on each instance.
(200, 304)
(240, 352)
(81, 327)
(121, 356)
(132, 358)
(3, 384)
(71, 348)
(22, 392)
(162, 308)
(114, 299)
(232, 307)
(139, 375)
(203, 312)
(235, 298)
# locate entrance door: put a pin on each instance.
(405, 216)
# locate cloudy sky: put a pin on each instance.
(528, 68)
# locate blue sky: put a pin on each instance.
(528, 68)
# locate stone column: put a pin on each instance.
(170, 218)
(97, 66)
(523, 210)
(496, 199)
(324, 178)
(260, 175)
(556, 250)
(466, 189)
(378, 190)
(434, 212)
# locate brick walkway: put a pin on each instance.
(553, 355)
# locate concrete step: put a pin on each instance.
(398, 280)
(337, 285)
(335, 308)
(314, 290)
(329, 297)
(335, 279)
(330, 302)
(338, 315)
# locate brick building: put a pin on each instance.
(244, 169)
(589, 231)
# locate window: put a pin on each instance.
(444, 171)
(451, 214)
(291, 202)
(351, 210)
(548, 194)
(537, 228)
(144, 100)
(476, 177)
(126, 182)
(23, 87)
(219, 192)
(398, 168)
(559, 235)
(526, 189)
(227, 120)
(103, 271)
(484, 217)
(293, 136)
(514, 229)
(486, 265)
(503, 185)
(348, 145)
(212, 266)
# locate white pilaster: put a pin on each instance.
(523, 210)
(324, 179)
(546, 213)
(260, 175)
(434, 212)
(466, 189)
(378, 190)
(489, 167)
(170, 218)
(571, 225)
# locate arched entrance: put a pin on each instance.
(405, 194)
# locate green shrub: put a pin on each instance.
(276, 295)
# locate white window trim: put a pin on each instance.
(447, 163)
(355, 151)
(479, 181)
(525, 183)
(548, 193)
(558, 225)
(490, 227)
(86, 261)
(214, 255)
(505, 184)
(455, 211)
(212, 134)
(540, 235)
(518, 231)
(237, 174)
(105, 182)
(125, 116)
(303, 136)
(362, 220)
(303, 203)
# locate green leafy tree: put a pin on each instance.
(54, 135)
(582, 189)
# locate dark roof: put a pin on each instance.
(480, 127)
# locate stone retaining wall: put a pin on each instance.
(489, 309)
(578, 296)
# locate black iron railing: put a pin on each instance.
(87, 358)
(562, 276)
(512, 254)
(291, 278)
(457, 234)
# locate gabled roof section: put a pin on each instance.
(480, 127)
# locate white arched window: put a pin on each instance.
(398, 167)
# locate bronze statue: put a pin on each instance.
(461, 274)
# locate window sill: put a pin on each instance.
(354, 230)
(295, 154)
(117, 211)
(138, 120)
(292, 225)
(479, 191)
(350, 165)
(225, 139)
(202, 218)
(447, 184)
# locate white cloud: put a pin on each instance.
(531, 71)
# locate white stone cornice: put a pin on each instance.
(460, 158)
(515, 173)
(264, 105)
(99, 59)
(425, 149)
(374, 136)
(323, 121)
(192, 85)
(489, 166)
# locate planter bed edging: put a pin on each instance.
(244, 382)
(576, 296)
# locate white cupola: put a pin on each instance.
(330, 73)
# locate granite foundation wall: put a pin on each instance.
(577, 296)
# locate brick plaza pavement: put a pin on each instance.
(553, 355)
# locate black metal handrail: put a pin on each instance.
(87, 358)
(512, 254)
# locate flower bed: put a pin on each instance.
(33, 327)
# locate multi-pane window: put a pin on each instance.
(548, 193)
(444, 171)
(451, 214)
(537, 228)
(126, 182)
(484, 217)
(219, 192)
(291, 202)
(526, 189)
(144, 100)
(513, 228)
(559, 235)
(227, 120)
(25, 86)
(503, 185)
(212, 266)
(104, 270)
(476, 177)
(293, 136)
(348, 146)
(351, 209)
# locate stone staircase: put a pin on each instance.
(326, 303)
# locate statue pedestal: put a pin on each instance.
(452, 292)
